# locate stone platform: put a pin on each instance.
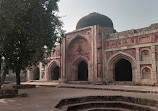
(84, 85)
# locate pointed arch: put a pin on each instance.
(80, 69)
(116, 57)
(79, 59)
(145, 54)
(78, 37)
(53, 71)
(52, 63)
(113, 60)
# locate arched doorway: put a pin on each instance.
(55, 73)
(36, 73)
(123, 70)
(83, 71)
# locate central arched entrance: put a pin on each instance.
(123, 70)
(83, 71)
(55, 73)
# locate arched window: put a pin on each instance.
(146, 73)
(145, 55)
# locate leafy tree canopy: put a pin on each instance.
(25, 27)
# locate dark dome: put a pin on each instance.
(94, 19)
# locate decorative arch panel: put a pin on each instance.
(79, 46)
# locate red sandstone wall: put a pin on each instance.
(56, 52)
(54, 59)
(123, 42)
(149, 38)
(131, 52)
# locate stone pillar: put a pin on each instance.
(47, 76)
(156, 54)
(104, 60)
(63, 71)
(91, 64)
(94, 53)
(137, 76)
(40, 69)
(153, 61)
(99, 55)
(29, 75)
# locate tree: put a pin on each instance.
(26, 27)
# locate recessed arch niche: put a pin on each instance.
(146, 73)
(145, 55)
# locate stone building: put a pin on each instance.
(96, 52)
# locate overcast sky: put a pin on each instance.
(125, 14)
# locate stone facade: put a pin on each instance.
(102, 49)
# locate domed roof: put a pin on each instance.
(94, 19)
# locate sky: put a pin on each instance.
(125, 14)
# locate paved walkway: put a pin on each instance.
(125, 88)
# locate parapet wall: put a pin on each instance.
(134, 32)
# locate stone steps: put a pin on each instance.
(122, 83)
(78, 82)
(109, 104)
(106, 109)
(140, 101)
(109, 89)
